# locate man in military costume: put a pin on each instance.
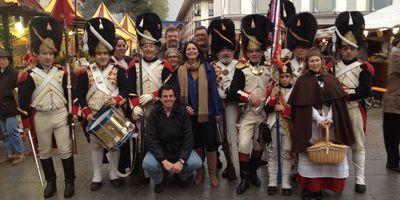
(223, 45)
(149, 30)
(257, 76)
(101, 84)
(42, 96)
(356, 78)
(301, 30)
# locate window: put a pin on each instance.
(210, 9)
(197, 10)
(378, 4)
(324, 5)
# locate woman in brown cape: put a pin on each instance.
(317, 102)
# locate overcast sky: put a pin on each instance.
(174, 6)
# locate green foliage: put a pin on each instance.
(133, 7)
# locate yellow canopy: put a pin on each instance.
(128, 24)
(52, 3)
(102, 11)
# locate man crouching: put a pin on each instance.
(170, 140)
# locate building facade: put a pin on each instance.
(201, 12)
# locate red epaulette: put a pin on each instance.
(168, 66)
(370, 68)
(330, 66)
(22, 75)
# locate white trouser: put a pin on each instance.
(97, 161)
(249, 132)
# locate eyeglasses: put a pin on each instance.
(169, 57)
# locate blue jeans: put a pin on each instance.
(156, 171)
(12, 137)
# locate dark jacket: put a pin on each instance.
(8, 82)
(170, 137)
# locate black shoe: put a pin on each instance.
(271, 190)
(69, 173)
(243, 185)
(306, 195)
(94, 186)
(69, 189)
(391, 167)
(184, 183)
(244, 177)
(317, 195)
(160, 187)
(360, 188)
(286, 192)
(254, 178)
(117, 183)
(50, 189)
(50, 176)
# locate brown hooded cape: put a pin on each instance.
(307, 93)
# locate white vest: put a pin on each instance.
(97, 98)
(256, 84)
(51, 95)
(297, 68)
(348, 75)
(226, 78)
(151, 76)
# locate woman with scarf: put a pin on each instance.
(198, 92)
(174, 57)
(317, 102)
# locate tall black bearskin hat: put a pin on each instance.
(254, 32)
(100, 36)
(46, 34)
(221, 34)
(349, 28)
(301, 30)
(287, 10)
(149, 29)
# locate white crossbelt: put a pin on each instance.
(48, 79)
(149, 72)
(346, 68)
(101, 81)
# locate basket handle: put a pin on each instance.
(326, 133)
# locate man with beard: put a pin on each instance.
(223, 44)
(257, 76)
(300, 36)
(356, 78)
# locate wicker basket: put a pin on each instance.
(326, 152)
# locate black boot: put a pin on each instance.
(244, 178)
(50, 176)
(254, 163)
(69, 173)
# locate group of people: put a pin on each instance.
(185, 93)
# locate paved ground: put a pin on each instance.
(21, 182)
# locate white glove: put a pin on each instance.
(137, 112)
(145, 98)
(221, 93)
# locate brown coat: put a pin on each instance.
(307, 93)
(391, 100)
(8, 82)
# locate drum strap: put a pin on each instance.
(101, 82)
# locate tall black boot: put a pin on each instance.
(69, 173)
(50, 176)
(254, 163)
(244, 177)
